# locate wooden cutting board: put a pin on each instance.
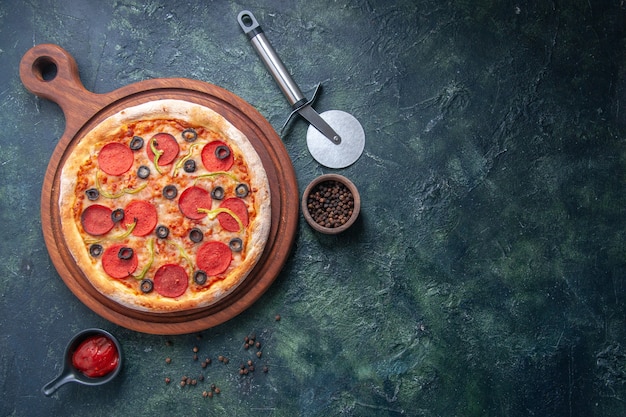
(50, 72)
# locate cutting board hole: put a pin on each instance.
(45, 69)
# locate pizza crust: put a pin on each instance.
(80, 172)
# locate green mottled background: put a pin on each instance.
(486, 275)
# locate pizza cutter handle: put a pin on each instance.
(270, 58)
(50, 72)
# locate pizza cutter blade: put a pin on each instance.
(335, 138)
(339, 155)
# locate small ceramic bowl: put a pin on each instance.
(70, 373)
(317, 216)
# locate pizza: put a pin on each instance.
(165, 206)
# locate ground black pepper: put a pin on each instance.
(330, 204)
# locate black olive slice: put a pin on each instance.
(117, 215)
(146, 285)
(136, 143)
(92, 194)
(143, 172)
(189, 135)
(196, 235)
(222, 152)
(162, 231)
(170, 192)
(235, 244)
(217, 193)
(241, 190)
(95, 250)
(199, 277)
(125, 253)
(190, 165)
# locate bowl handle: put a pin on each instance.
(63, 378)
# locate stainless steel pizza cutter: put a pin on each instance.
(335, 138)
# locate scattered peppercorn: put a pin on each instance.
(247, 366)
(330, 204)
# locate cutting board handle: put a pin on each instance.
(50, 72)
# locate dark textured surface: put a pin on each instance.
(486, 273)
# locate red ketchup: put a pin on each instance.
(96, 357)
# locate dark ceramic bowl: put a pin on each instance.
(71, 374)
(329, 178)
